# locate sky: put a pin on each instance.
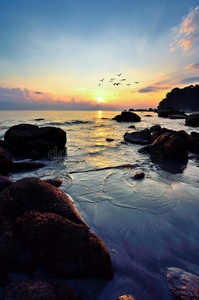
(55, 54)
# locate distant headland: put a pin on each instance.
(186, 99)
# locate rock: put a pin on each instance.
(144, 150)
(14, 255)
(155, 128)
(174, 116)
(194, 134)
(193, 145)
(34, 154)
(65, 249)
(27, 137)
(5, 162)
(139, 137)
(183, 285)
(39, 119)
(132, 126)
(138, 175)
(55, 181)
(34, 194)
(192, 120)
(171, 113)
(127, 116)
(4, 278)
(109, 140)
(38, 290)
(26, 166)
(169, 146)
(126, 297)
(5, 182)
(157, 133)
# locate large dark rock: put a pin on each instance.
(154, 128)
(5, 161)
(14, 255)
(183, 285)
(34, 194)
(38, 290)
(193, 145)
(66, 249)
(139, 137)
(127, 116)
(169, 146)
(5, 182)
(27, 137)
(192, 120)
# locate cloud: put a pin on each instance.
(193, 67)
(38, 93)
(153, 88)
(187, 34)
(16, 98)
(189, 80)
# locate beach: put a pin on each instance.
(148, 225)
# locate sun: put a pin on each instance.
(100, 100)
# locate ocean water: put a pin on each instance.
(148, 225)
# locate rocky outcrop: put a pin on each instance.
(181, 99)
(127, 116)
(24, 138)
(40, 226)
(183, 285)
(38, 290)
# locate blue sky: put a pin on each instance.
(56, 52)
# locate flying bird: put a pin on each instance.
(128, 84)
(123, 79)
(112, 78)
(116, 83)
(136, 82)
(119, 74)
(102, 79)
(99, 84)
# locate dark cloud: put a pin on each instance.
(153, 88)
(189, 80)
(39, 93)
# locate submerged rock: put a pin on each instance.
(66, 249)
(127, 116)
(38, 290)
(183, 285)
(109, 140)
(139, 137)
(138, 175)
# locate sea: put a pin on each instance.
(148, 225)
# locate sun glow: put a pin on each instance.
(100, 100)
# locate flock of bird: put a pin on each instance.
(112, 80)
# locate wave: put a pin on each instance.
(73, 122)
